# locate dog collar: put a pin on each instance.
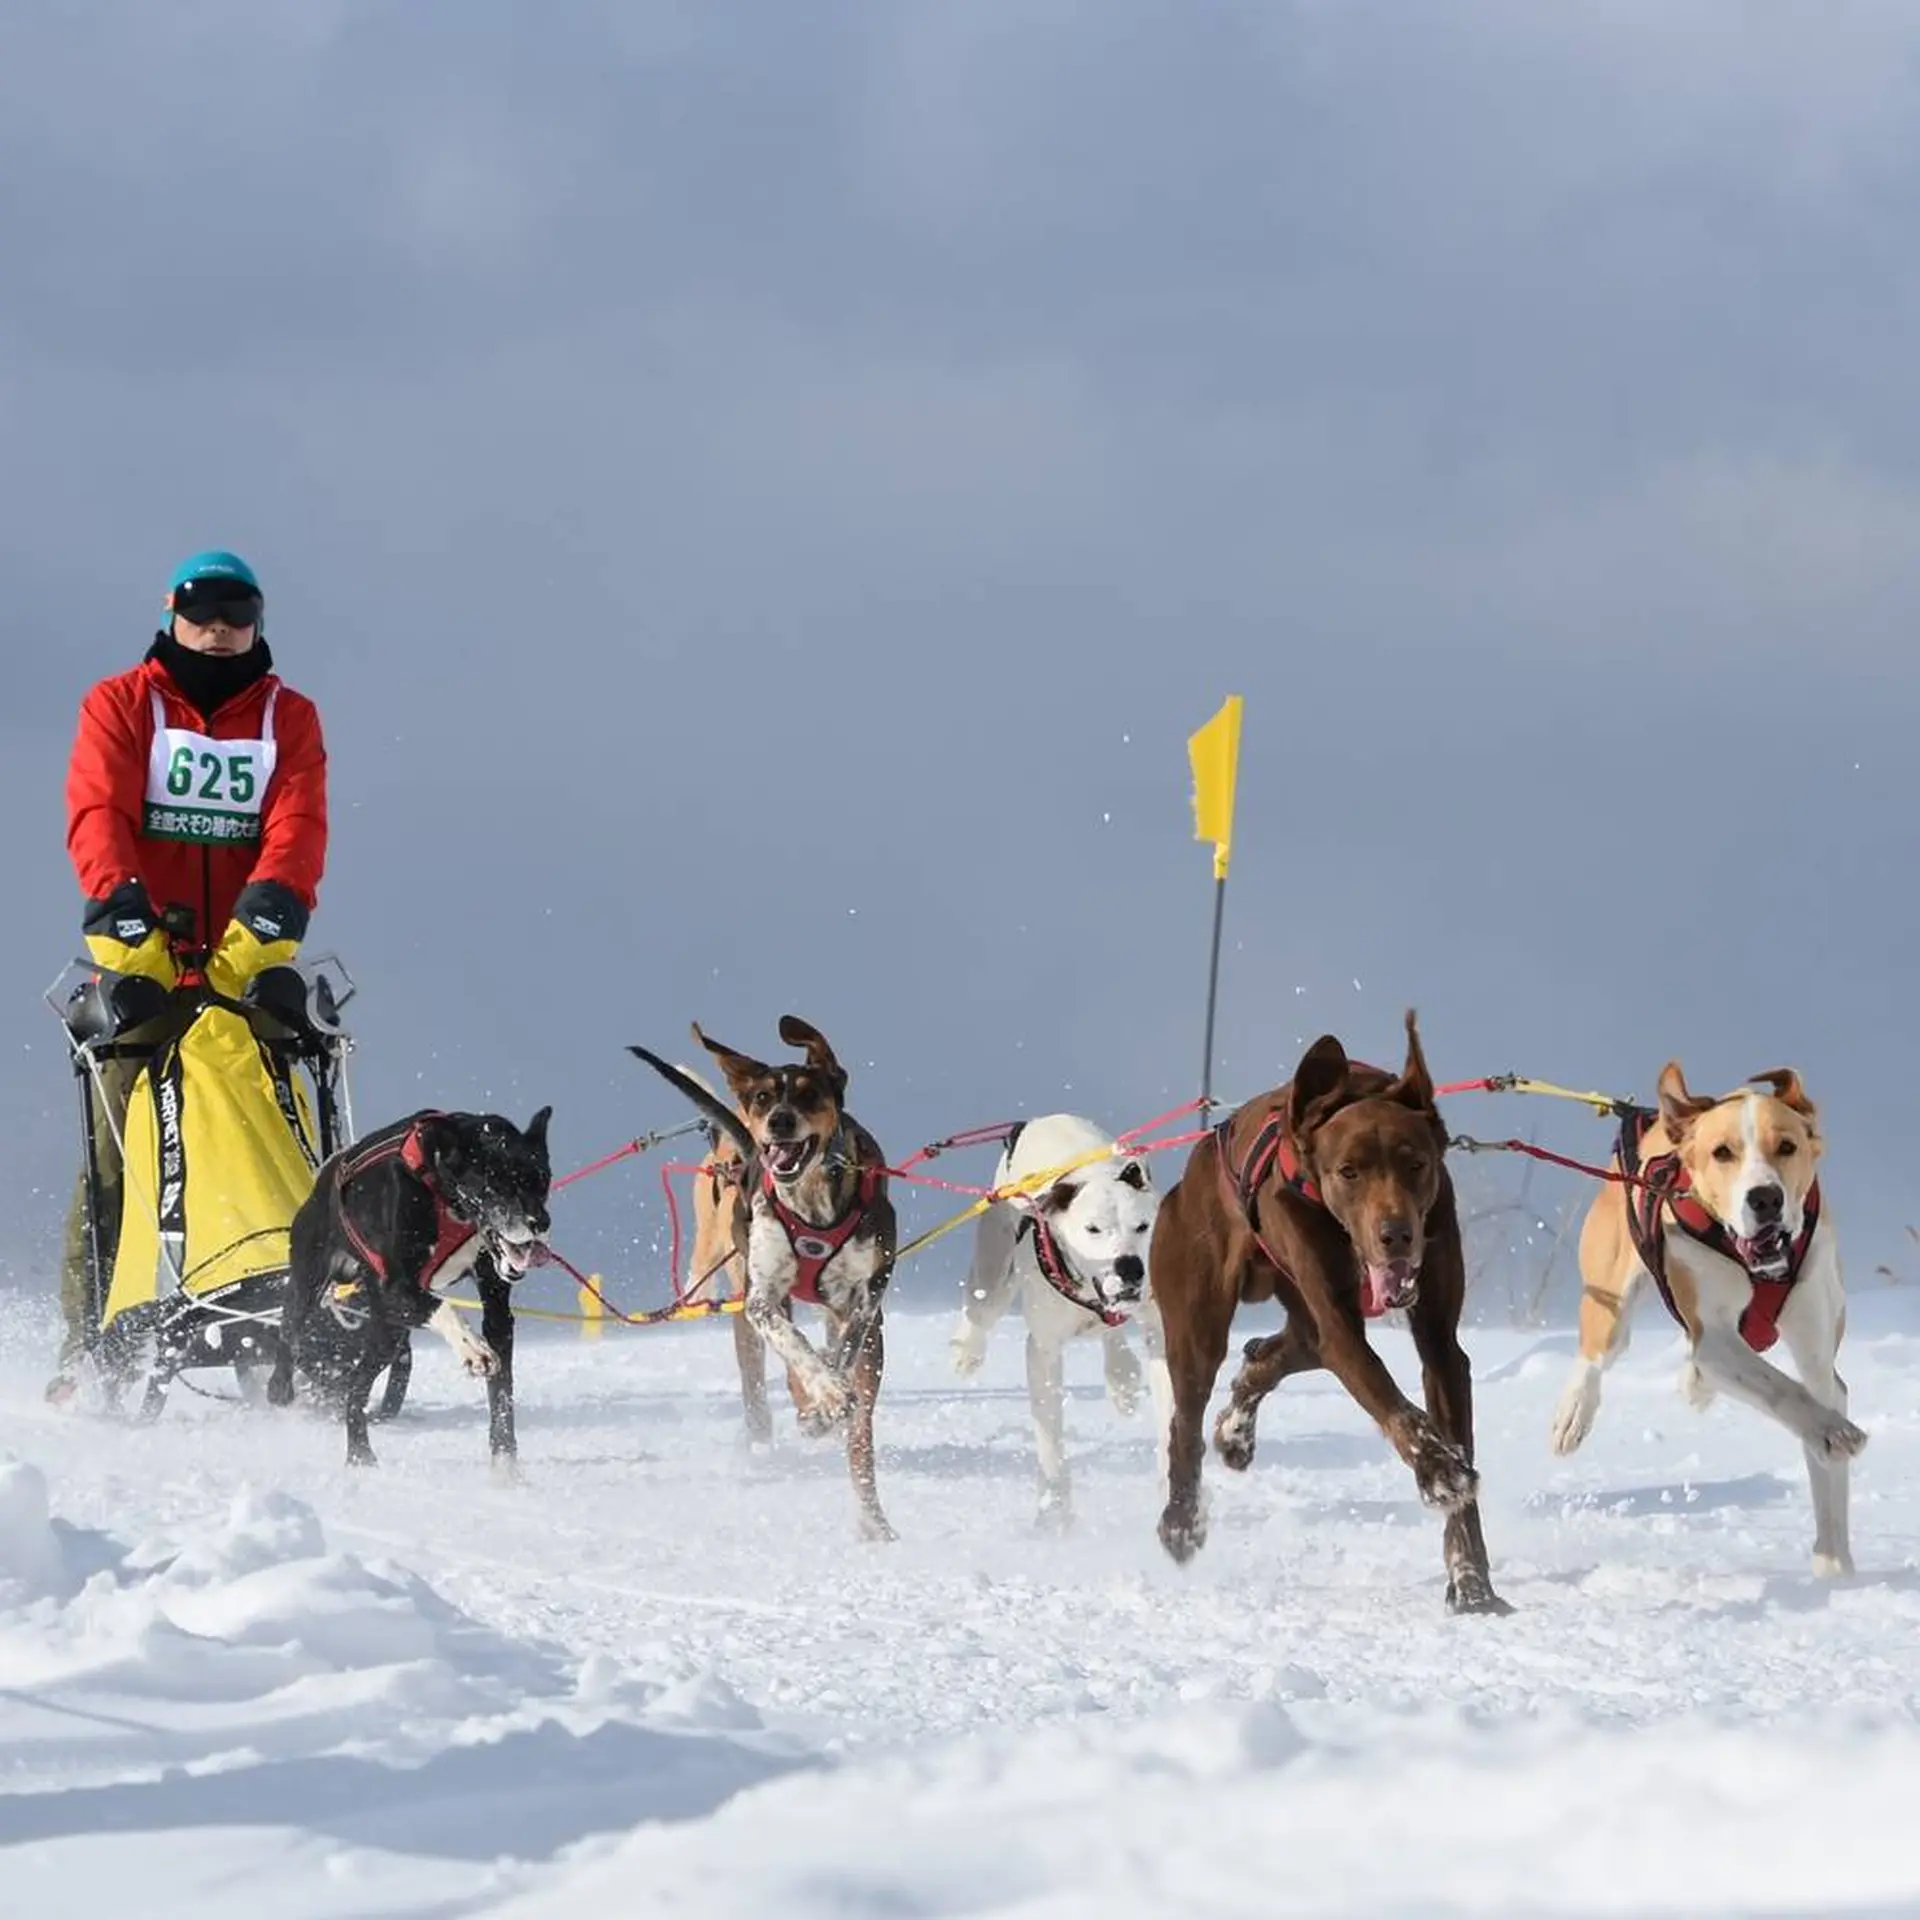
(1057, 1270)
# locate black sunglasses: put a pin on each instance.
(241, 611)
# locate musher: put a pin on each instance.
(197, 824)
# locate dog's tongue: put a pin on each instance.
(1384, 1289)
(785, 1157)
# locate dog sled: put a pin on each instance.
(220, 1113)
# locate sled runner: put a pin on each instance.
(234, 1104)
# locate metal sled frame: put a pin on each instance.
(235, 1326)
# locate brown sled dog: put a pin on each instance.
(1331, 1195)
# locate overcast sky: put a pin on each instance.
(762, 493)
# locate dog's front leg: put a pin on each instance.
(1442, 1472)
(864, 1350)
(1447, 1375)
(1448, 1378)
(473, 1353)
(1046, 1392)
(1197, 1316)
(496, 1328)
(988, 1290)
(1121, 1370)
(1813, 1337)
(770, 1280)
(1727, 1362)
(827, 1394)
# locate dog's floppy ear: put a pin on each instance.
(1679, 1107)
(1787, 1090)
(741, 1069)
(1059, 1197)
(1320, 1076)
(801, 1033)
(1133, 1173)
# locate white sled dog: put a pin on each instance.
(1074, 1253)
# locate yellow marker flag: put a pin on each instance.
(593, 1311)
(1215, 754)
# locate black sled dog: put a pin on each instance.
(391, 1223)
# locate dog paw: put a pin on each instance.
(1445, 1477)
(477, 1359)
(1573, 1417)
(1054, 1515)
(1832, 1566)
(1471, 1591)
(968, 1355)
(1234, 1434)
(829, 1400)
(1837, 1438)
(1182, 1534)
(1695, 1388)
(1124, 1382)
(875, 1526)
(503, 1469)
(361, 1456)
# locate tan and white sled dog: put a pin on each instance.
(1721, 1208)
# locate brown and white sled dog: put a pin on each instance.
(818, 1227)
(1074, 1254)
(718, 1271)
(1721, 1209)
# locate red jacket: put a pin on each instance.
(106, 792)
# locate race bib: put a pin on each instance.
(204, 790)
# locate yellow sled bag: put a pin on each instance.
(220, 1152)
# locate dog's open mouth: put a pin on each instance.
(785, 1159)
(1388, 1287)
(1768, 1254)
(513, 1257)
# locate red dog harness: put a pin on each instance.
(1271, 1151)
(815, 1248)
(449, 1234)
(1663, 1183)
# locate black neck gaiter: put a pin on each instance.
(210, 680)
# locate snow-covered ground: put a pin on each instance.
(663, 1677)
